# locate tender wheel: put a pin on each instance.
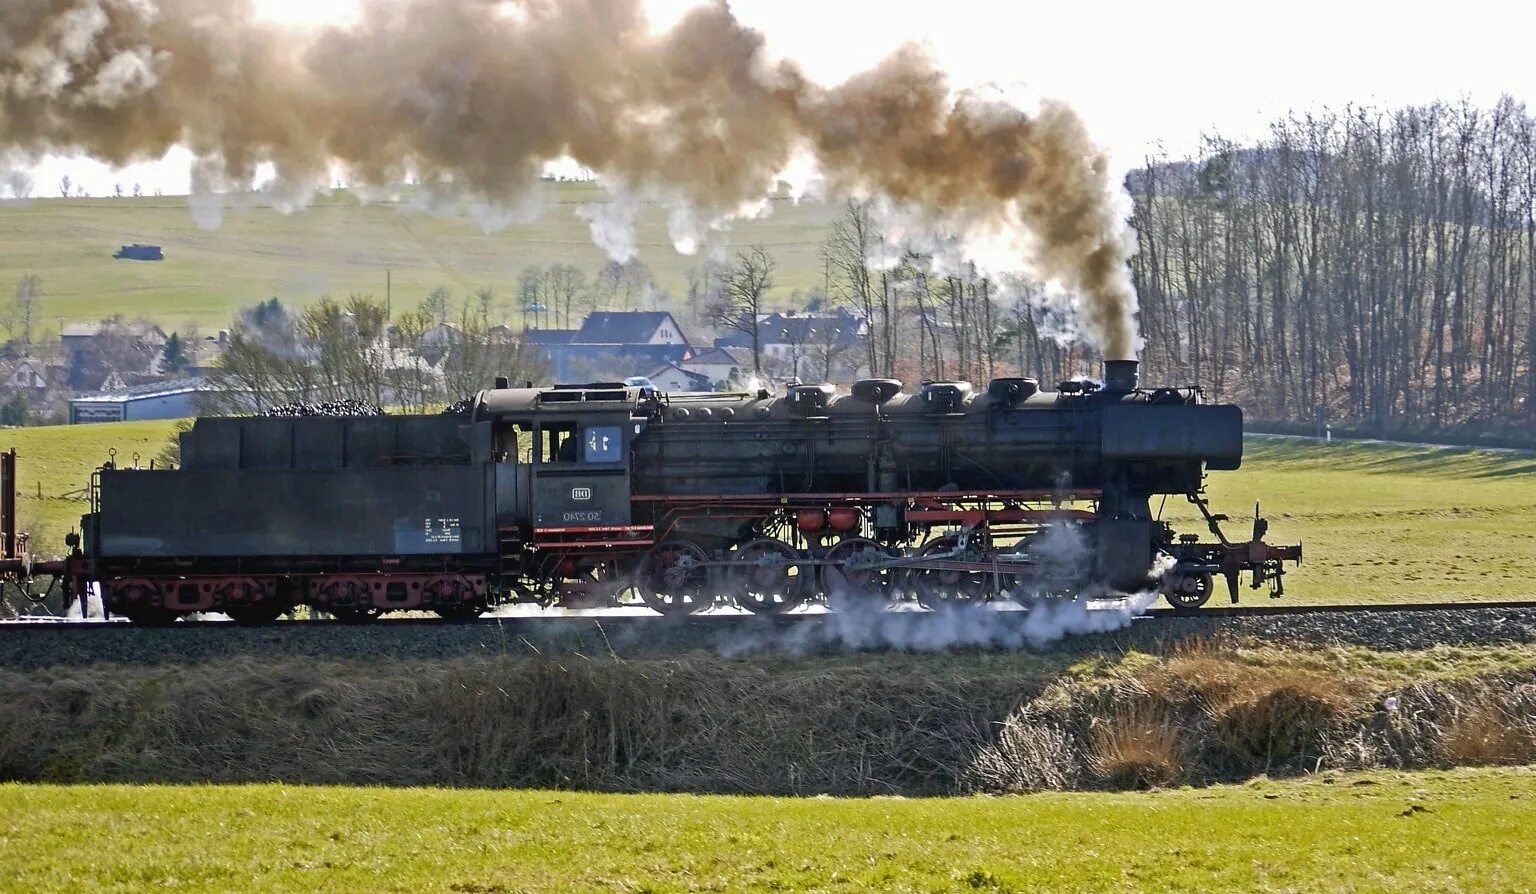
(765, 577)
(938, 588)
(673, 578)
(462, 612)
(260, 613)
(856, 570)
(1186, 591)
(356, 615)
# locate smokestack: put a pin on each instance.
(502, 383)
(1120, 375)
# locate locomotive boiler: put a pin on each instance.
(591, 494)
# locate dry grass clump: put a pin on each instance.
(1137, 747)
(1262, 716)
(1205, 713)
(1489, 731)
(1282, 720)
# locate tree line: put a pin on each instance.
(353, 351)
(1361, 265)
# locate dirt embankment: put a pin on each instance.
(867, 724)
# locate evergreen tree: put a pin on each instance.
(175, 355)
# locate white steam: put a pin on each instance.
(1060, 553)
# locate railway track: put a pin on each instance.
(1233, 611)
(39, 645)
(710, 619)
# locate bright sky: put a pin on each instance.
(1140, 73)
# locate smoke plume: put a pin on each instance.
(473, 97)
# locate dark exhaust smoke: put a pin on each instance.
(473, 97)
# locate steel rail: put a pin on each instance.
(724, 619)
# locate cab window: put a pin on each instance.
(603, 444)
(557, 443)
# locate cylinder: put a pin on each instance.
(810, 520)
(843, 518)
(1120, 375)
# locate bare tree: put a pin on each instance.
(414, 383)
(20, 184)
(828, 347)
(480, 353)
(564, 283)
(29, 290)
(738, 303)
(346, 343)
(846, 254)
(1366, 267)
(438, 305)
(531, 292)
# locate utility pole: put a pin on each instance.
(388, 282)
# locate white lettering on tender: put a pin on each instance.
(441, 530)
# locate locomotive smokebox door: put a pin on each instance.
(581, 471)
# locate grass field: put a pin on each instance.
(337, 246)
(1386, 523)
(1463, 830)
(1380, 523)
(54, 465)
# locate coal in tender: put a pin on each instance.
(460, 407)
(348, 407)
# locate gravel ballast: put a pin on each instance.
(41, 645)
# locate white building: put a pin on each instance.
(672, 377)
(158, 400)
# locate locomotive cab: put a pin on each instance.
(581, 470)
(564, 455)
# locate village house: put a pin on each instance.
(25, 376)
(807, 346)
(672, 377)
(94, 350)
(612, 345)
(725, 367)
(172, 399)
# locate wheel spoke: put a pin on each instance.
(856, 569)
(673, 577)
(764, 577)
(1188, 589)
(939, 587)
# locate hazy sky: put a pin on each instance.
(1139, 73)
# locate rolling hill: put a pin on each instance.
(337, 246)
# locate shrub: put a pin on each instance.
(1137, 746)
(1483, 733)
(1280, 719)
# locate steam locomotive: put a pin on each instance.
(579, 495)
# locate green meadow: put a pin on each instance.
(1385, 523)
(338, 246)
(1462, 830)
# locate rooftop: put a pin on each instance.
(621, 327)
(140, 392)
